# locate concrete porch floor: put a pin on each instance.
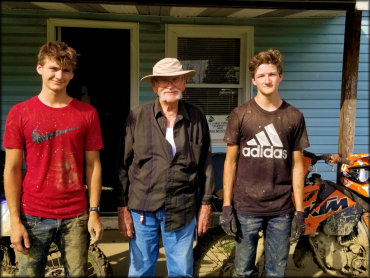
(116, 250)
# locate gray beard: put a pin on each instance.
(163, 97)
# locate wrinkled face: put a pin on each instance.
(169, 89)
(267, 79)
(54, 77)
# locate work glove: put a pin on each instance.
(298, 226)
(228, 221)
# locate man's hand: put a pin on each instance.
(298, 226)
(19, 237)
(95, 227)
(204, 219)
(125, 223)
(228, 221)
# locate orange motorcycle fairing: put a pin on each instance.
(307, 165)
(333, 204)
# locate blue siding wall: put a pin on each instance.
(21, 37)
(313, 53)
(152, 49)
(313, 50)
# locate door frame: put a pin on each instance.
(54, 30)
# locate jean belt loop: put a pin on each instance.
(141, 217)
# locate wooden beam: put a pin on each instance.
(351, 53)
(252, 4)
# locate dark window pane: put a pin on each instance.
(216, 60)
(213, 101)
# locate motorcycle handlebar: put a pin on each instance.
(314, 158)
(337, 159)
(327, 157)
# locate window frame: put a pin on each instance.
(53, 33)
(244, 33)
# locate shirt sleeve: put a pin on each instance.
(205, 175)
(13, 135)
(232, 129)
(94, 139)
(300, 136)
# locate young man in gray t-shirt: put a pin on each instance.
(265, 140)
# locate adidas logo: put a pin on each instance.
(268, 145)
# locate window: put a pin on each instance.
(219, 54)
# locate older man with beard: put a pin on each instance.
(165, 169)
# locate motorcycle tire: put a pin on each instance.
(7, 260)
(98, 264)
(214, 255)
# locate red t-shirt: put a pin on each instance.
(54, 141)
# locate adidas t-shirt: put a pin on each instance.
(54, 141)
(266, 141)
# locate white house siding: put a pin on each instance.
(313, 50)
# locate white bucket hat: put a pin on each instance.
(168, 67)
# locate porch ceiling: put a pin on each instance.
(201, 8)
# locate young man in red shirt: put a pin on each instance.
(55, 134)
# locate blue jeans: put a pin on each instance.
(71, 237)
(144, 247)
(276, 230)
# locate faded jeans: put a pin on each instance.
(71, 237)
(144, 247)
(276, 230)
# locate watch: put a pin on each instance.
(97, 209)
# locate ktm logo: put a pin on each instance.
(268, 145)
(332, 204)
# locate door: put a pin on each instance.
(102, 78)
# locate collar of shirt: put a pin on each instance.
(182, 113)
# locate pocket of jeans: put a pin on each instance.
(30, 221)
(82, 219)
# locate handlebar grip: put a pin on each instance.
(337, 159)
(309, 154)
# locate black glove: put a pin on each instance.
(228, 221)
(298, 226)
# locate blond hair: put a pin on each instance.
(63, 54)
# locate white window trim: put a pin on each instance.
(246, 36)
(53, 28)
(244, 33)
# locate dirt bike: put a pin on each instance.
(336, 217)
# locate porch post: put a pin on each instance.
(351, 53)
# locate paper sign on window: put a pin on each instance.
(217, 126)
